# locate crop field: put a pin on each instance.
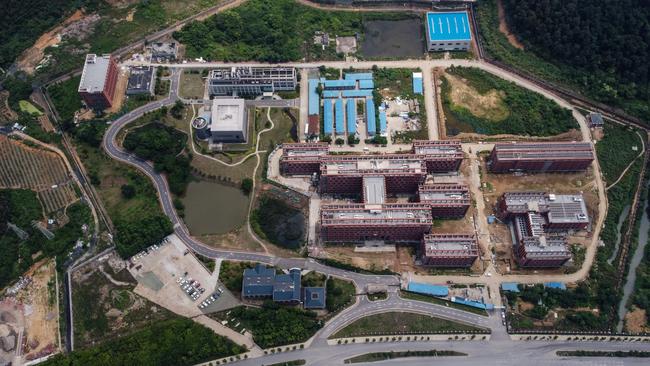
(22, 166)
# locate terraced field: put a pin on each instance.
(40, 170)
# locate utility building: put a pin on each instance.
(448, 31)
(447, 200)
(251, 80)
(98, 81)
(541, 157)
(449, 250)
(441, 156)
(229, 122)
(393, 222)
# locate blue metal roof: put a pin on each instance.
(314, 100)
(328, 119)
(417, 85)
(314, 298)
(338, 115)
(356, 93)
(358, 76)
(351, 106)
(427, 289)
(556, 285)
(370, 117)
(510, 286)
(366, 84)
(382, 122)
(339, 84)
(452, 26)
(473, 303)
(331, 93)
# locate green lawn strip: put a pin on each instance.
(172, 342)
(381, 356)
(231, 274)
(593, 353)
(378, 296)
(524, 112)
(434, 300)
(394, 323)
(209, 263)
(28, 107)
(289, 363)
(272, 324)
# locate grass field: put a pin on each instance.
(192, 85)
(28, 107)
(401, 323)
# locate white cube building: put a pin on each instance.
(229, 122)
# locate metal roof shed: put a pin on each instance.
(427, 289)
(370, 117)
(382, 122)
(338, 115)
(351, 106)
(314, 100)
(366, 84)
(328, 119)
(358, 76)
(417, 83)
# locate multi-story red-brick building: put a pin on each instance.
(98, 81)
(391, 222)
(440, 155)
(447, 200)
(344, 174)
(539, 252)
(449, 250)
(302, 158)
(541, 157)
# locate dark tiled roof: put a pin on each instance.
(264, 282)
(314, 298)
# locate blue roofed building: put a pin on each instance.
(382, 123)
(338, 115)
(328, 118)
(351, 106)
(339, 84)
(370, 117)
(510, 286)
(358, 76)
(366, 84)
(357, 93)
(427, 289)
(472, 303)
(314, 298)
(417, 83)
(331, 93)
(263, 282)
(448, 31)
(555, 285)
(314, 100)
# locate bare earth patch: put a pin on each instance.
(635, 321)
(489, 105)
(503, 28)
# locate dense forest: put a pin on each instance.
(21, 207)
(608, 42)
(173, 342)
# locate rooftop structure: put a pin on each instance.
(562, 211)
(251, 80)
(449, 250)
(366, 84)
(263, 282)
(339, 117)
(163, 51)
(332, 93)
(448, 31)
(428, 289)
(358, 76)
(314, 298)
(370, 117)
(338, 84)
(98, 81)
(393, 222)
(141, 80)
(302, 158)
(374, 191)
(366, 93)
(541, 157)
(328, 117)
(382, 123)
(229, 122)
(417, 83)
(595, 119)
(351, 109)
(448, 200)
(314, 101)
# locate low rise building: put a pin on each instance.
(448, 31)
(141, 80)
(449, 250)
(229, 121)
(595, 120)
(251, 80)
(314, 298)
(262, 282)
(98, 81)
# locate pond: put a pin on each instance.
(213, 208)
(393, 38)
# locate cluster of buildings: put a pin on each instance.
(262, 282)
(377, 176)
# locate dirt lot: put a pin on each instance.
(32, 315)
(494, 185)
(635, 321)
(489, 105)
(503, 28)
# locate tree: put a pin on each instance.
(339, 141)
(247, 185)
(128, 191)
(177, 109)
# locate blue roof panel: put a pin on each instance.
(314, 100)
(427, 289)
(510, 286)
(382, 122)
(351, 106)
(356, 93)
(358, 76)
(448, 26)
(417, 85)
(328, 119)
(331, 93)
(339, 84)
(366, 84)
(314, 298)
(340, 127)
(556, 285)
(472, 303)
(370, 117)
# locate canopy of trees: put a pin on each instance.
(278, 222)
(608, 41)
(139, 228)
(173, 342)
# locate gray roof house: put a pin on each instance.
(262, 282)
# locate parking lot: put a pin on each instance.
(171, 276)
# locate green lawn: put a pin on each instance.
(401, 323)
(434, 300)
(340, 294)
(381, 356)
(28, 107)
